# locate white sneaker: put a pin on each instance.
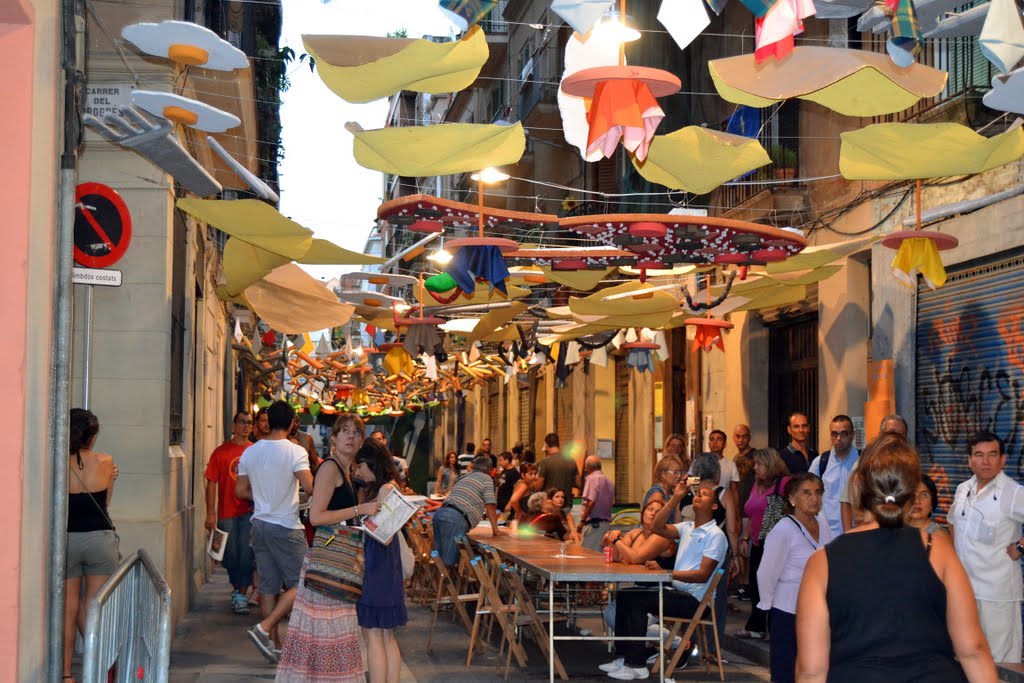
(628, 673)
(613, 665)
(652, 659)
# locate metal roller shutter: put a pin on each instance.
(970, 369)
(494, 432)
(524, 415)
(622, 371)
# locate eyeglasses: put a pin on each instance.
(843, 434)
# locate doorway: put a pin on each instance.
(792, 375)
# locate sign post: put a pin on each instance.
(103, 231)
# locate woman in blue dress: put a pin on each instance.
(381, 609)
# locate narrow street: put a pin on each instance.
(210, 646)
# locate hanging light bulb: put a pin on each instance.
(440, 256)
(490, 175)
(613, 26)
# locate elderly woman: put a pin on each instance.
(770, 476)
(667, 474)
(887, 601)
(925, 499)
(786, 549)
(541, 517)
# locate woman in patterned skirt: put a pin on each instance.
(381, 609)
(323, 633)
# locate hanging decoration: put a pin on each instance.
(850, 82)
(917, 251)
(774, 32)
(1002, 36)
(361, 69)
(697, 159)
(187, 44)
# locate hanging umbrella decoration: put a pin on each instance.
(918, 250)
(638, 354)
(481, 257)
(420, 331)
(709, 330)
(623, 103)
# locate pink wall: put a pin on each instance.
(17, 45)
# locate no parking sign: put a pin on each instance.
(103, 226)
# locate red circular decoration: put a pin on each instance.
(651, 265)
(647, 229)
(427, 226)
(103, 226)
(384, 348)
(709, 322)
(569, 264)
(769, 255)
(732, 258)
(941, 239)
(503, 244)
(582, 83)
(646, 248)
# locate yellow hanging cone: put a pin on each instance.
(698, 160)
(442, 149)
(364, 68)
(919, 254)
(398, 360)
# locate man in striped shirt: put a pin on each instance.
(470, 499)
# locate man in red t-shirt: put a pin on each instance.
(231, 514)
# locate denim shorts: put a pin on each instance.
(91, 553)
(279, 554)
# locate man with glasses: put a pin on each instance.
(834, 468)
(985, 521)
(227, 512)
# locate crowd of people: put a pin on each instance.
(847, 569)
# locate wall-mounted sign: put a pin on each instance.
(105, 98)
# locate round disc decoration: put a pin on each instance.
(103, 226)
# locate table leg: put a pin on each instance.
(661, 632)
(551, 631)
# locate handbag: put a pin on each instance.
(774, 511)
(336, 563)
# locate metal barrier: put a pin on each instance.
(128, 628)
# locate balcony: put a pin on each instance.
(538, 104)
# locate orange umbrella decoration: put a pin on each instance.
(623, 105)
(917, 251)
(709, 330)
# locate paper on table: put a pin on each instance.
(216, 542)
(395, 511)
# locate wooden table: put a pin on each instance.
(539, 555)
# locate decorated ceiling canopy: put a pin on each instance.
(912, 151)
(405, 211)
(661, 240)
(563, 259)
(851, 82)
(366, 68)
(696, 159)
(441, 149)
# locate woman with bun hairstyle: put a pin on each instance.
(92, 553)
(887, 601)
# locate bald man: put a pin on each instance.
(598, 496)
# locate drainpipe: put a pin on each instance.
(73, 61)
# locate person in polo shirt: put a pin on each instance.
(702, 548)
(470, 499)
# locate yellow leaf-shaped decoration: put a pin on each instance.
(441, 149)
(252, 221)
(325, 253)
(914, 151)
(697, 160)
(291, 301)
(364, 68)
(851, 82)
(245, 264)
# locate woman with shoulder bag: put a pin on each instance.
(381, 609)
(762, 511)
(323, 632)
(92, 542)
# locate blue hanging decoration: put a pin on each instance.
(638, 355)
(485, 262)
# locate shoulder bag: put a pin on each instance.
(336, 562)
(774, 511)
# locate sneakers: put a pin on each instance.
(628, 673)
(613, 665)
(743, 594)
(239, 605)
(264, 643)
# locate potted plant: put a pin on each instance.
(784, 162)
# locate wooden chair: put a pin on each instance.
(503, 613)
(448, 594)
(692, 624)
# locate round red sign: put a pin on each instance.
(103, 226)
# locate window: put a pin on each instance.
(179, 243)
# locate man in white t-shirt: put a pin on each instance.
(269, 474)
(730, 477)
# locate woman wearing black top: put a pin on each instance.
(323, 633)
(92, 544)
(888, 602)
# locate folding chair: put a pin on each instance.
(529, 616)
(448, 594)
(706, 605)
(492, 605)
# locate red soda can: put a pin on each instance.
(607, 553)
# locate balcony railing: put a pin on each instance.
(494, 22)
(533, 92)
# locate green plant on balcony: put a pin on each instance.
(784, 162)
